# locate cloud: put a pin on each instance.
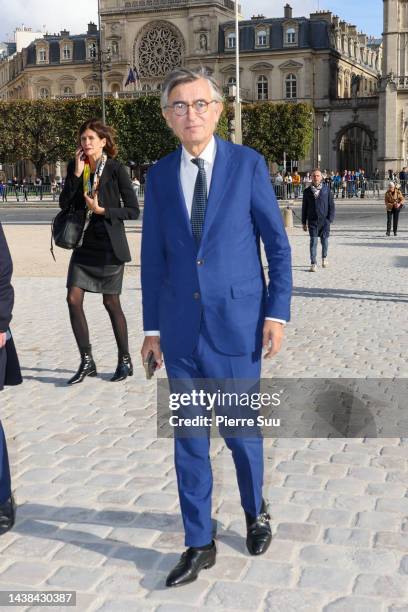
(55, 15)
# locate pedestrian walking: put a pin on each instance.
(317, 215)
(393, 204)
(205, 300)
(10, 374)
(96, 181)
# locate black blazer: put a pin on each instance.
(114, 183)
(13, 372)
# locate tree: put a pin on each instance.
(275, 129)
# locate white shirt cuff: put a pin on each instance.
(277, 320)
(152, 333)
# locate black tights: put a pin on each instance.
(75, 299)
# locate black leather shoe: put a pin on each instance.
(259, 533)
(192, 561)
(124, 369)
(7, 515)
(87, 367)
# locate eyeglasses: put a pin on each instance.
(180, 108)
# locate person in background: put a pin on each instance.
(393, 204)
(317, 215)
(296, 180)
(96, 182)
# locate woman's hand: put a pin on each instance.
(93, 204)
(79, 161)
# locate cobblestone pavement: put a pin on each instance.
(98, 508)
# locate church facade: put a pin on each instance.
(354, 83)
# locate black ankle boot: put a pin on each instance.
(87, 367)
(124, 368)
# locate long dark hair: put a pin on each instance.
(103, 131)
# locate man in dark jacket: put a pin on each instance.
(317, 215)
(9, 375)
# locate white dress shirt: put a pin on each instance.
(188, 177)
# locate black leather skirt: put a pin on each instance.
(94, 266)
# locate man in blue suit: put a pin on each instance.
(317, 215)
(206, 304)
(9, 375)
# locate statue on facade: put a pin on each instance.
(355, 85)
(203, 42)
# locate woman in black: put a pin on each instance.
(97, 182)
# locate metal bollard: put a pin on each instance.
(288, 216)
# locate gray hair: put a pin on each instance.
(179, 76)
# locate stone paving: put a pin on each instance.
(98, 508)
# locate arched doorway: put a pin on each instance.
(355, 149)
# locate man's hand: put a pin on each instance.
(305, 227)
(272, 338)
(3, 336)
(152, 343)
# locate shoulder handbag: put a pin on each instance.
(67, 229)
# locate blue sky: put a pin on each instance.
(75, 14)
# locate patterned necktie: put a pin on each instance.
(199, 200)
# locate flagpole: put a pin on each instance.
(238, 127)
(101, 63)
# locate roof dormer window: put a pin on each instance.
(42, 55)
(261, 38)
(290, 36)
(231, 40)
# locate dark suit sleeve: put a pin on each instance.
(6, 290)
(331, 207)
(268, 221)
(72, 191)
(130, 209)
(304, 208)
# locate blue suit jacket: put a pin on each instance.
(223, 278)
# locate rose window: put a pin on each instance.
(160, 50)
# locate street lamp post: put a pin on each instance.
(102, 59)
(238, 119)
(318, 127)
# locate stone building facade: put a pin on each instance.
(319, 59)
(393, 108)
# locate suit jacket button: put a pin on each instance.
(196, 295)
(200, 262)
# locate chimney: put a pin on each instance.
(92, 28)
(288, 11)
(64, 33)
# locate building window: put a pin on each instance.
(291, 87)
(92, 50)
(231, 41)
(67, 91)
(261, 38)
(44, 93)
(93, 90)
(66, 52)
(290, 36)
(262, 87)
(42, 55)
(146, 87)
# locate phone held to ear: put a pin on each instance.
(150, 365)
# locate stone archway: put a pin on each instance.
(355, 146)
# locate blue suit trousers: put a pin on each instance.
(192, 460)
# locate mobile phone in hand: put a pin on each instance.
(150, 365)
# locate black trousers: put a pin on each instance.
(394, 215)
(5, 484)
